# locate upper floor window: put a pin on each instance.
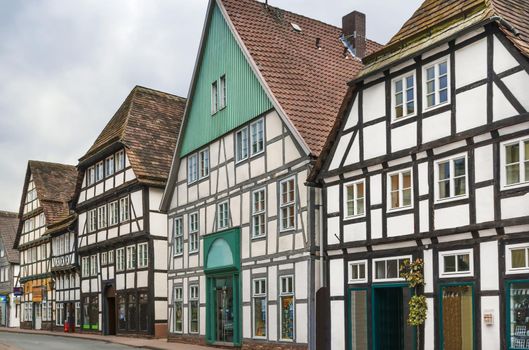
(358, 271)
(120, 259)
(355, 198)
(241, 145)
(93, 265)
(404, 96)
(124, 209)
(388, 268)
(451, 177)
(223, 214)
(178, 236)
(517, 258)
(104, 258)
(218, 94)
(287, 202)
(259, 213)
(85, 265)
(143, 255)
(113, 213)
(214, 97)
(222, 92)
(257, 137)
(193, 232)
(90, 176)
(436, 83)
(119, 160)
(192, 168)
(109, 166)
(400, 189)
(456, 263)
(99, 171)
(102, 217)
(131, 257)
(516, 162)
(92, 220)
(203, 164)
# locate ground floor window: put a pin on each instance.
(59, 311)
(91, 312)
(286, 296)
(77, 314)
(358, 317)
(457, 317)
(178, 310)
(133, 311)
(47, 311)
(259, 308)
(193, 309)
(518, 317)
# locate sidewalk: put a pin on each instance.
(155, 344)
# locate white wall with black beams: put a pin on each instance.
(483, 119)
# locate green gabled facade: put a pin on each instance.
(221, 55)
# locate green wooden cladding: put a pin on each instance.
(246, 98)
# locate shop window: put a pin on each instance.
(132, 313)
(388, 269)
(193, 309)
(77, 314)
(143, 314)
(122, 316)
(457, 324)
(358, 317)
(358, 271)
(286, 295)
(259, 308)
(517, 258)
(456, 263)
(518, 317)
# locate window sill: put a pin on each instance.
(259, 238)
(434, 107)
(398, 209)
(505, 187)
(395, 120)
(456, 275)
(451, 199)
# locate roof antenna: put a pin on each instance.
(266, 3)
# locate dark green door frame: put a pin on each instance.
(508, 285)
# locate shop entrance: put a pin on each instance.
(37, 316)
(390, 312)
(110, 315)
(224, 307)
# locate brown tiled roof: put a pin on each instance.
(437, 20)
(8, 231)
(147, 123)
(308, 83)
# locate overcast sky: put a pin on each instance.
(66, 66)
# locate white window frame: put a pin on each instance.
(355, 199)
(113, 213)
(104, 259)
(90, 176)
(109, 166)
(443, 254)
(100, 171)
(355, 264)
(245, 145)
(101, 217)
(451, 178)
(222, 90)
(222, 224)
(436, 64)
(120, 259)
(261, 295)
(119, 158)
(178, 236)
(178, 297)
(124, 209)
(142, 260)
(522, 163)
(194, 297)
(193, 232)
(203, 164)
(214, 97)
(400, 174)
(110, 257)
(258, 213)
(131, 257)
(261, 122)
(94, 265)
(403, 78)
(192, 168)
(282, 294)
(85, 265)
(293, 203)
(508, 258)
(398, 258)
(92, 220)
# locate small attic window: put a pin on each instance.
(295, 26)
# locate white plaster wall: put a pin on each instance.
(517, 84)
(483, 163)
(340, 151)
(352, 119)
(451, 217)
(354, 153)
(336, 285)
(376, 224)
(471, 108)
(429, 329)
(337, 324)
(503, 60)
(333, 199)
(490, 335)
(301, 323)
(373, 107)
(515, 207)
(436, 127)
(354, 232)
(400, 225)
(375, 140)
(424, 216)
(403, 137)
(375, 189)
(489, 265)
(501, 107)
(484, 204)
(274, 125)
(333, 228)
(475, 56)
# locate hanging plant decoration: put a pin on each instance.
(413, 273)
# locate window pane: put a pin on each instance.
(358, 314)
(406, 197)
(459, 186)
(443, 96)
(395, 199)
(430, 73)
(444, 170)
(362, 268)
(457, 311)
(360, 206)
(443, 68)
(444, 189)
(518, 258)
(512, 153)
(399, 111)
(459, 167)
(360, 190)
(409, 95)
(398, 86)
(392, 270)
(513, 174)
(394, 182)
(354, 272)
(410, 108)
(463, 262)
(450, 263)
(380, 269)
(287, 317)
(260, 317)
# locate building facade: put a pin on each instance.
(48, 189)
(243, 227)
(9, 270)
(122, 237)
(429, 160)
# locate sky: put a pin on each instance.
(66, 66)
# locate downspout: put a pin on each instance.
(506, 24)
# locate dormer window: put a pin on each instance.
(218, 94)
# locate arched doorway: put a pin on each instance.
(110, 310)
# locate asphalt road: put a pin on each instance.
(19, 341)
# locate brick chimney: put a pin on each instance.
(354, 29)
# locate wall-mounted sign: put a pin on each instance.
(18, 291)
(488, 317)
(37, 294)
(3, 298)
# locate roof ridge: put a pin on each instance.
(5, 213)
(158, 92)
(33, 161)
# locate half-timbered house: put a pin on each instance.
(244, 237)
(48, 189)
(429, 159)
(122, 235)
(9, 270)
